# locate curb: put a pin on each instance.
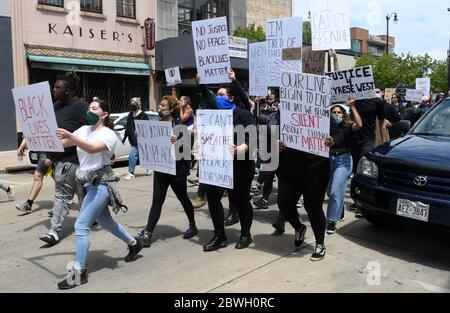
(15, 169)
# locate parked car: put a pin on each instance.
(120, 124)
(408, 179)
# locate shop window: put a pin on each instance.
(91, 6)
(55, 3)
(126, 8)
(195, 10)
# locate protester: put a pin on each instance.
(96, 143)
(70, 114)
(9, 189)
(136, 114)
(169, 111)
(341, 162)
(414, 113)
(233, 98)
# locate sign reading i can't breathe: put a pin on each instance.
(156, 151)
(211, 50)
(215, 135)
(34, 107)
(173, 76)
(305, 102)
(356, 83)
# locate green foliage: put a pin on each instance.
(307, 33)
(251, 32)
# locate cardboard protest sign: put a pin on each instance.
(36, 115)
(211, 50)
(258, 69)
(330, 25)
(356, 83)
(313, 61)
(414, 95)
(156, 151)
(389, 93)
(282, 34)
(424, 84)
(305, 102)
(215, 134)
(173, 76)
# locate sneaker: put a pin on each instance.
(199, 202)
(74, 279)
(331, 228)
(215, 244)
(300, 203)
(352, 207)
(24, 207)
(231, 219)
(319, 253)
(191, 232)
(130, 176)
(150, 172)
(358, 213)
(279, 226)
(300, 236)
(145, 237)
(244, 242)
(133, 251)
(50, 213)
(50, 239)
(262, 204)
(255, 190)
(11, 193)
(194, 181)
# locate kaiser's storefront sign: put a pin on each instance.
(91, 33)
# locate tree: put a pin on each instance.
(251, 32)
(439, 74)
(307, 34)
(365, 60)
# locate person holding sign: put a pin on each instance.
(169, 111)
(70, 114)
(95, 147)
(243, 166)
(341, 163)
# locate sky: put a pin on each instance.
(423, 25)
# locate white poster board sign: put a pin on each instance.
(238, 47)
(414, 95)
(305, 102)
(330, 25)
(211, 50)
(173, 76)
(424, 85)
(156, 151)
(282, 34)
(356, 83)
(258, 69)
(36, 115)
(215, 134)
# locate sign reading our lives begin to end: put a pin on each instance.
(282, 34)
(330, 25)
(156, 151)
(305, 102)
(215, 135)
(34, 107)
(356, 83)
(211, 50)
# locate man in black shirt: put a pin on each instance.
(70, 114)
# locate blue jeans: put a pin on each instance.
(341, 169)
(95, 208)
(133, 158)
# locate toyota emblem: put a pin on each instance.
(421, 181)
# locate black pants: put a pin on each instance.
(359, 150)
(312, 185)
(243, 176)
(161, 183)
(268, 184)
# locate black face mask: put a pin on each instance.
(134, 107)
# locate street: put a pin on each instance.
(360, 257)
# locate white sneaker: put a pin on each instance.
(130, 176)
(150, 172)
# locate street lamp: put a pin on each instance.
(388, 17)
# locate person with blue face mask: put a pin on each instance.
(232, 98)
(341, 162)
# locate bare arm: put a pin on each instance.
(89, 147)
(187, 114)
(358, 124)
(333, 55)
(174, 91)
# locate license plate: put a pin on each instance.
(413, 210)
(34, 156)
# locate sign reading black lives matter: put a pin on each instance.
(356, 83)
(156, 151)
(215, 135)
(330, 25)
(282, 34)
(173, 76)
(211, 50)
(305, 102)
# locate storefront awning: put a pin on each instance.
(88, 65)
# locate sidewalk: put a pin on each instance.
(9, 162)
